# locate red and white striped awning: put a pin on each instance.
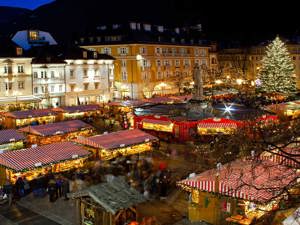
(284, 157)
(250, 180)
(218, 123)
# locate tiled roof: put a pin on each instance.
(30, 113)
(31, 158)
(118, 139)
(112, 196)
(258, 181)
(56, 128)
(10, 135)
(79, 108)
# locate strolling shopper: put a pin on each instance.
(52, 190)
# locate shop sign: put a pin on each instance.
(38, 164)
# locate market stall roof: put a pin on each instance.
(30, 113)
(292, 105)
(30, 158)
(119, 139)
(128, 103)
(253, 180)
(10, 135)
(218, 123)
(78, 108)
(56, 128)
(112, 196)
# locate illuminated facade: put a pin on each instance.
(89, 78)
(150, 60)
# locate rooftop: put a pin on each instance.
(30, 113)
(56, 128)
(10, 135)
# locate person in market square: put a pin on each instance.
(65, 188)
(8, 189)
(52, 190)
(26, 186)
(59, 183)
(19, 187)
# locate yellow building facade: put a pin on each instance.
(146, 70)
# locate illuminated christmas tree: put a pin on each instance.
(277, 72)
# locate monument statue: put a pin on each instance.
(198, 84)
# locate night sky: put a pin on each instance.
(29, 4)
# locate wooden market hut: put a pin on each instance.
(120, 143)
(56, 132)
(31, 162)
(238, 192)
(11, 139)
(78, 111)
(28, 117)
(111, 203)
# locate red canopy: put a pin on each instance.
(218, 123)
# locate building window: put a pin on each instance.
(196, 52)
(96, 85)
(203, 52)
(86, 86)
(19, 51)
(133, 26)
(123, 51)
(52, 74)
(42, 74)
(33, 35)
(36, 90)
(106, 51)
(8, 86)
(6, 69)
(35, 75)
(84, 54)
(124, 75)
(21, 84)
(213, 61)
(85, 73)
(157, 50)
(196, 62)
(143, 50)
(72, 87)
(52, 88)
(203, 62)
(60, 88)
(43, 89)
(123, 63)
(158, 63)
(72, 73)
(159, 75)
(177, 63)
(20, 69)
(147, 27)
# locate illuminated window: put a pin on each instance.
(123, 63)
(84, 54)
(124, 75)
(35, 75)
(158, 63)
(52, 88)
(60, 88)
(19, 51)
(143, 50)
(86, 86)
(33, 35)
(21, 84)
(36, 90)
(8, 86)
(20, 69)
(123, 51)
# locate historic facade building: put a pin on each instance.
(150, 59)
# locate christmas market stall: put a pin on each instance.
(110, 203)
(121, 143)
(56, 132)
(11, 139)
(77, 112)
(213, 126)
(31, 162)
(238, 192)
(289, 109)
(28, 117)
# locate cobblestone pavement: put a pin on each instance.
(18, 215)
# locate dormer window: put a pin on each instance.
(160, 28)
(19, 51)
(33, 35)
(147, 27)
(84, 54)
(95, 54)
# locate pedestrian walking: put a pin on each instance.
(26, 186)
(52, 190)
(8, 190)
(59, 182)
(20, 187)
(65, 188)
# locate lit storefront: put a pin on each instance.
(238, 192)
(120, 143)
(56, 132)
(28, 117)
(11, 139)
(31, 162)
(213, 126)
(77, 112)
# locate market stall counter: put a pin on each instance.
(11, 139)
(31, 162)
(77, 112)
(56, 132)
(28, 117)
